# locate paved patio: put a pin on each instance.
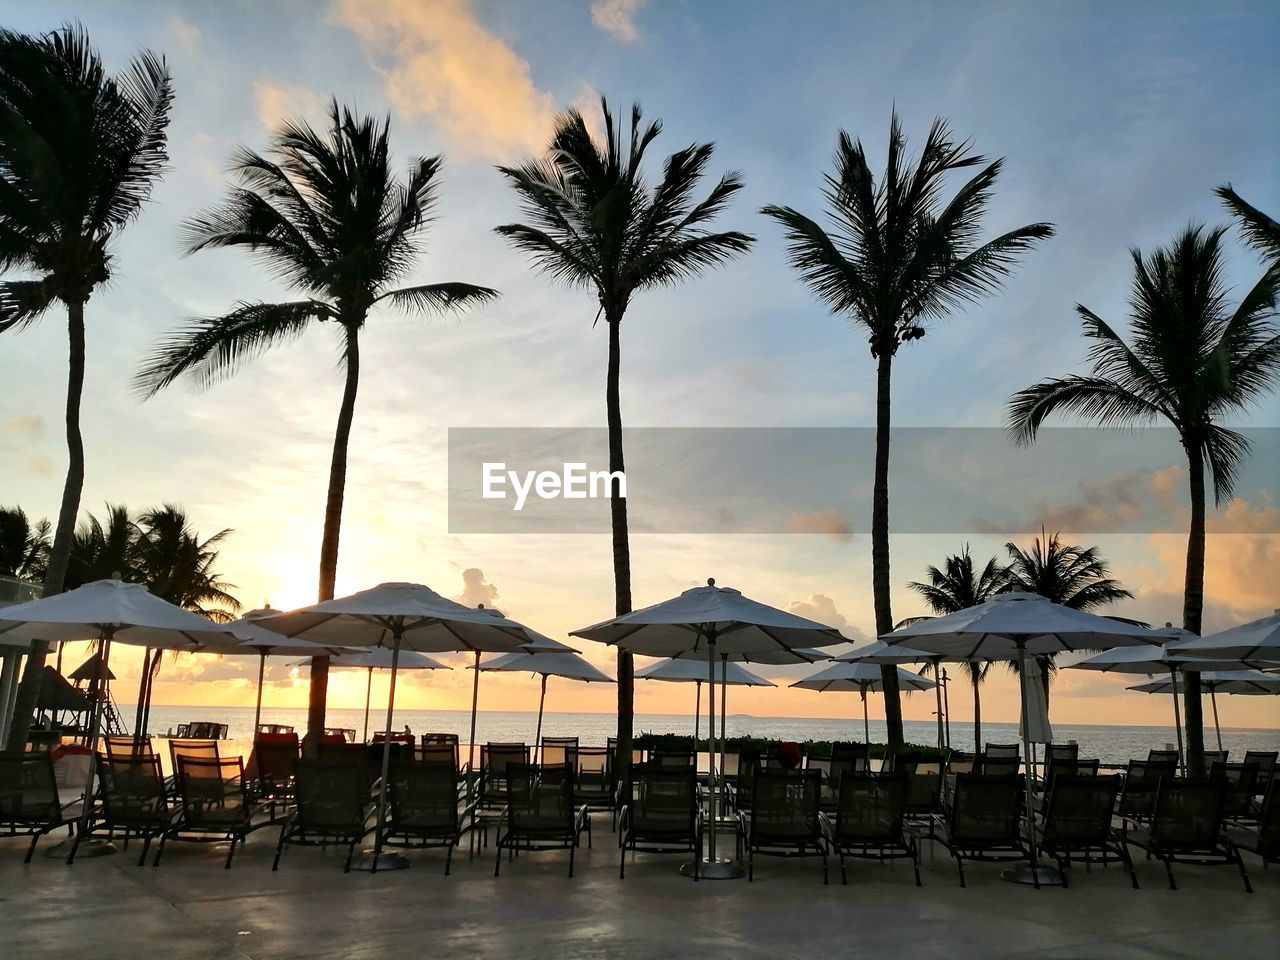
(191, 909)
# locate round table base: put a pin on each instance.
(718, 869)
(386, 860)
(1047, 875)
(87, 848)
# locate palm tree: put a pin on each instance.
(957, 587)
(327, 214)
(1260, 231)
(1192, 361)
(24, 546)
(896, 258)
(595, 224)
(79, 153)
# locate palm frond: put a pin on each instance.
(438, 297)
(1260, 231)
(23, 302)
(1094, 398)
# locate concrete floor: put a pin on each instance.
(191, 909)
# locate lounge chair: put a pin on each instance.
(132, 798)
(192, 749)
(1241, 779)
(29, 802)
(423, 808)
(784, 819)
(870, 820)
(1264, 839)
(1142, 780)
(272, 769)
(1186, 827)
(215, 805)
(495, 759)
(1162, 756)
(985, 821)
(1078, 822)
(273, 728)
(332, 806)
(539, 814)
(1265, 760)
(663, 817)
(1214, 756)
(593, 779)
(554, 751)
(340, 734)
(122, 746)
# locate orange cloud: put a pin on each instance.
(440, 62)
(832, 522)
(617, 17)
(286, 101)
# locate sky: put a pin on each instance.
(1116, 122)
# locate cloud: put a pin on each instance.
(187, 35)
(28, 427)
(39, 464)
(439, 61)
(819, 607)
(476, 590)
(285, 101)
(832, 522)
(617, 17)
(1128, 500)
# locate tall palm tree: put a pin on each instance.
(24, 546)
(1191, 361)
(595, 224)
(79, 153)
(897, 257)
(1260, 231)
(327, 214)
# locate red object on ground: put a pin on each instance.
(790, 755)
(69, 750)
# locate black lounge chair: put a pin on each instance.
(1264, 839)
(1186, 827)
(332, 806)
(923, 803)
(273, 767)
(540, 813)
(29, 802)
(215, 805)
(132, 799)
(870, 820)
(127, 746)
(423, 809)
(1265, 760)
(1241, 779)
(593, 779)
(1141, 781)
(1077, 822)
(663, 817)
(985, 821)
(495, 760)
(554, 751)
(202, 749)
(784, 819)
(1162, 756)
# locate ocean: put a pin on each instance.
(1110, 744)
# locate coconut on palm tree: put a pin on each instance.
(958, 586)
(326, 213)
(80, 150)
(894, 256)
(595, 224)
(1191, 361)
(24, 546)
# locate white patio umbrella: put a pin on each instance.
(884, 654)
(712, 621)
(377, 658)
(695, 671)
(1153, 660)
(398, 616)
(862, 678)
(1245, 682)
(1014, 626)
(1254, 644)
(110, 611)
(570, 666)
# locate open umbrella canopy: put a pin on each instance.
(567, 665)
(379, 658)
(860, 678)
(423, 619)
(125, 612)
(997, 628)
(695, 671)
(1247, 682)
(257, 639)
(1255, 642)
(699, 617)
(1147, 660)
(886, 654)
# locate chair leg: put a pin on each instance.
(497, 866)
(1128, 862)
(622, 860)
(751, 864)
(960, 868)
(823, 851)
(1168, 868)
(235, 838)
(284, 833)
(572, 847)
(35, 838)
(915, 861)
(844, 873)
(146, 845)
(448, 858)
(1248, 887)
(351, 852)
(75, 845)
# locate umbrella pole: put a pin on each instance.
(724, 686)
(368, 695)
(537, 737)
(389, 861)
(257, 710)
(1213, 699)
(697, 711)
(475, 700)
(711, 743)
(1177, 720)
(937, 679)
(946, 709)
(866, 724)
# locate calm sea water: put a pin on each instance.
(1110, 744)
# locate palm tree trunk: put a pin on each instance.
(139, 713)
(60, 553)
(319, 690)
(880, 546)
(621, 544)
(1193, 609)
(977, 713)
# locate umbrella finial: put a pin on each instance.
(116, 576)
(1168, 624)
(711, 581)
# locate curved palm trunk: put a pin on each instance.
(60, 552)
(621, 546)
(1192, 610)
(319, 689)
(977, 714)
(880, 547)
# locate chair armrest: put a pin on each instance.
(624, 816)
